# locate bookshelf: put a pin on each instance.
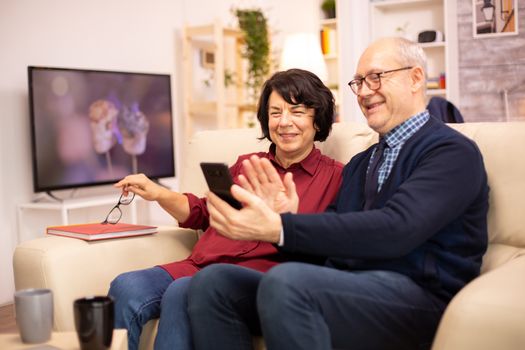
(410, 17)
(330, 45)
(217, 100)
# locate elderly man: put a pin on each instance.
(407, 231)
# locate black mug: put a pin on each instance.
(94, 322)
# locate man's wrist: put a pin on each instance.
(278, 230)
(281, 238)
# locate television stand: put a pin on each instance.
(52, 196)
(158, 182)
(66, 205)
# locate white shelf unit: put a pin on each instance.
(436, 92)
(66, 206)
(332, 58)
(217, 106)
(410, 17)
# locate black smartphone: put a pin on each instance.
(219, 181)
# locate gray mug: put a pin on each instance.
(34, 314)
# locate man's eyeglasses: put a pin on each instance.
(372, 80)
(115, 214)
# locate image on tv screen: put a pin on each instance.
(95, 127)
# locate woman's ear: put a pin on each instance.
(417, 76)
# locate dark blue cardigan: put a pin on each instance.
(429, 221)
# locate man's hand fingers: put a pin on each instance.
(217, 208)
(244, 196)
(216, 217)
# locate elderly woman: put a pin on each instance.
(295, 109)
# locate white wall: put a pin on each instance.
(117, 34)
(353, 31)
(133, 35)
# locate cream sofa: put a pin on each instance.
(489, 313)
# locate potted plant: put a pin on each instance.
(328, 7)
(253, 24)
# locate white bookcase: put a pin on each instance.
(331, 57)
(330, 28)
(410, 17)
(215, 49)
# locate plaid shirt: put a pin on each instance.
(395, 139)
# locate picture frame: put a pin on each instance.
(207, 59)
(494, 18)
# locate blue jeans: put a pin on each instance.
(302, 306)
(222, 307)
(147, 294)
(174, 332)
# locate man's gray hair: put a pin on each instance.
(411, 53)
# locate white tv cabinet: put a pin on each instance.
(66, 205)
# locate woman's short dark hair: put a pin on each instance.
(298, 86)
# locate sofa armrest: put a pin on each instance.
(74, 268)
(489, 313)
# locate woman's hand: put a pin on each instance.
(140, 184)
(262, 179)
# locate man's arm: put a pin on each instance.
(440, 189)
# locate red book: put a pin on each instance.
(98, 231)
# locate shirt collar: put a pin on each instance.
(406, 129)
(309, 164)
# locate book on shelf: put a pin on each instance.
(99, 231)
(328, 38)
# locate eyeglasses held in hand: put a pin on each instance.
(115, 214)
(372, 80)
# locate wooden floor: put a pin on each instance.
(7, 319)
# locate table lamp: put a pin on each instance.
(303, 50)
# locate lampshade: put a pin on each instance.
(303, 50)
(488, 10)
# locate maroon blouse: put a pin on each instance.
(317, 179)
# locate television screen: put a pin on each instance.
(95, 127)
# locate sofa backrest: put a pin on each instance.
(500, 143)
(502, 146)
(216, 146)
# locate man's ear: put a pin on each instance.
(417, 76)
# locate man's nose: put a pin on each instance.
(365, 90)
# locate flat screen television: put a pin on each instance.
(92, 127)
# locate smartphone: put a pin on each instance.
(219, 181)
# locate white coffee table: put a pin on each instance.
(60, 340)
